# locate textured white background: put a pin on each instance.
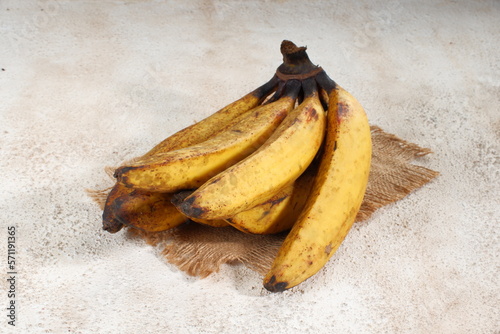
(85, 84)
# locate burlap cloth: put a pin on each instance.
(200, 250)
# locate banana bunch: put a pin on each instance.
(292, 155)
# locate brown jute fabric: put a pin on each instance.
(200, 250)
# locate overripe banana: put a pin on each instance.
(337, 193)
(278, 213)
(279, 161)
(181, 195)
(264, 164)
(191, 166)
(205, 128)
(267, 217)
(191, 135)
(146, 211)
(152, 212)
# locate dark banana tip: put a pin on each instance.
(118, 174)
(186, 205)
(179, 197)
(111, 225)
(274, 286)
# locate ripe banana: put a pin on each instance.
(151, 212)
(205, 128)
(191, 135)
(278, 162)
(336, 197)
(264, 164)
(181, 195)
(278, 213)
(191, 166)
(268, 217)
(146, 211)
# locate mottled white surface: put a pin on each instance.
(85, 84)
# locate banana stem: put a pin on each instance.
(289, 88)
(278, 93)
(295, 61)
(267, 88)
(325, 82)
(298, 67)
(292, 88)
(309, 87)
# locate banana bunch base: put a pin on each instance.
(293, 155)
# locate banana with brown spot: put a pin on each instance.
(278, 213)
(217, 121)
(191, 166)
(336, 197)
(147, 211)
(278, 162)
(191, 135)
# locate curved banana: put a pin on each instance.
(191, 135)
(191, 166)
(217, 121)
(181, 195)
(336, 197)
(266, 218)
(279, 161)
(278, 213)
(146, 211)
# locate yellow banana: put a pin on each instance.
(152, 212)
(278, 213)
(205, 128)
(268, 217)
(146, 211)
(191, 135)
(336, 197)
(279, 161)
(181, 195)
(191, 166)
(252, 165)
